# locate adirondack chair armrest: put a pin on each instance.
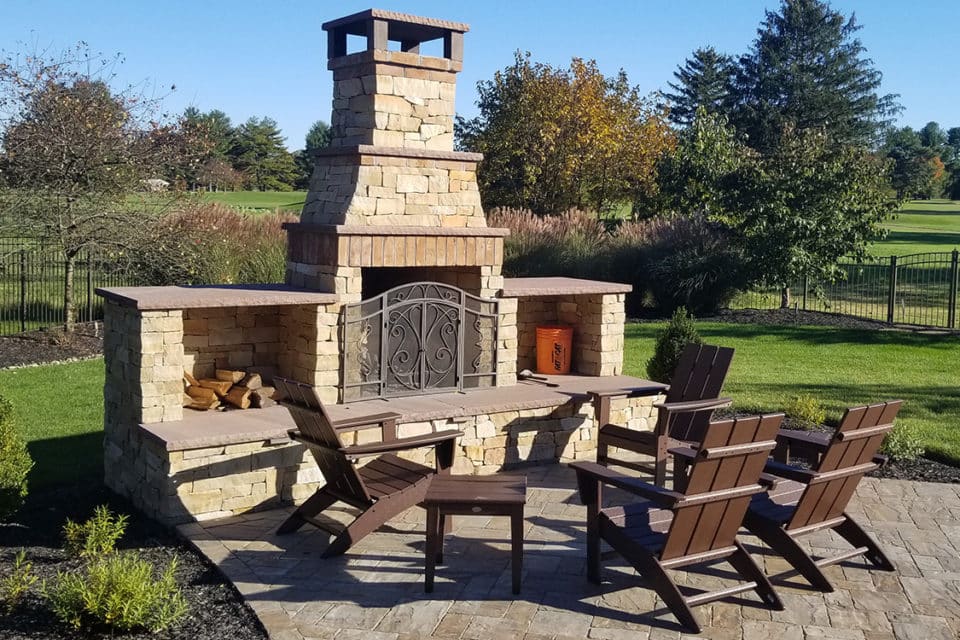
(400, 444)
(688, 453)
(353, 424)
(645, 490)
(631, 392)
(693, 405)
(785, 471)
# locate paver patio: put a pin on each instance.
(375, 591)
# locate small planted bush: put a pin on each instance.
(14, 585)
(904, 442)
(670, 344)
(15, 464)
(119, 591)
(806, 410)
(97, 536)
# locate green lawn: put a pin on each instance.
(59, 409)
(260, 200)
(841, 367)
(922, 226)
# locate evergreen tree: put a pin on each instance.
(914, 171)
(702, 82)
(258, 151)
(808, 71)
(318, 137)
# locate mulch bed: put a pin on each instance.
(51, 345)
(217, 611)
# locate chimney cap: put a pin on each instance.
(401, 26)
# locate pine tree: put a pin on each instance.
(703, 81)
(258, 151)
(807, 70)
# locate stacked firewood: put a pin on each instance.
(239, 389)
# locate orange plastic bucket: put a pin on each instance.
(553, 349)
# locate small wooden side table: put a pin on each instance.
(496, 495)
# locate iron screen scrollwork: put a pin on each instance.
(422, 337)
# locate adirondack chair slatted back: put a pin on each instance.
(721, 464)
(855, 442)
(699, 375)
(315, 425)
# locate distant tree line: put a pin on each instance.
(250, 156)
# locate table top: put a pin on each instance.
(493, 489)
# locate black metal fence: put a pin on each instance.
(32, 278)
(918, 289)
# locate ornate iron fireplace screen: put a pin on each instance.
(423, 337)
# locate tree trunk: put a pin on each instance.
(68, 301)
(785, 297)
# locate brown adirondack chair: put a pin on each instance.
(696, 384)
(380, 489)
(669, 529)
(802, 501)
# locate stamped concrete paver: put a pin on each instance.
(376, 590)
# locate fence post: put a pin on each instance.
(89, 286)
(952, 308)
(892, 297)
(23, 290)
(805, 292)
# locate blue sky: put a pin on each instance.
(257, 58)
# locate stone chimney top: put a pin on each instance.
(381, 26)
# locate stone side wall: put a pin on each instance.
(312, 347)
(143, 358)
(214, 482)
(365, 189)
(403, 100)
(231, 338)
(598, 330)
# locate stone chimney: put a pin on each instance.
(390, 191)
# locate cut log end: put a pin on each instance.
(239, 397)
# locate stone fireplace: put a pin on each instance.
(394, 300)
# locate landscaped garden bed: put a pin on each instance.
(215, 609)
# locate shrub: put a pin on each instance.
(15, 464)
(119, 591)
(670, 343)
(214, 244)
(806, 410)
(670, 262)
(15, 584)
(904, 442)
(97, 536)
(691, 262)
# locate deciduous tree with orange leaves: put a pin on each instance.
(558, 138)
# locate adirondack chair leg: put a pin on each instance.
(650, 569)
(314, 505)
(745, 565)
(660, 464)
(372, 518)
(778, 540)
(852, 533)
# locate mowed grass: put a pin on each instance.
(59, 411)
(840, 367)
(259, 200)
(922, 226)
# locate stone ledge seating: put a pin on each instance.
(199, 430)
